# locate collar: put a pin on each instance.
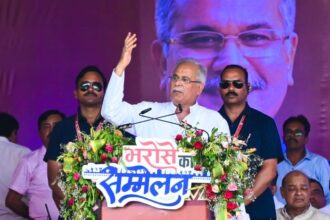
(192, 107)
(82, 119)
(246, 111)
(305, 212)
(308, 156)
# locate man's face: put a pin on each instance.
(317, 196)
(270, 69)
(47, 127)
(185, 85)
(296, 192)
(90, 90)
(294, 136)
(233, 89)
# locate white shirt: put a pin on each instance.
(325, 209)
(118, 112)
(10, 155)
(278, 204)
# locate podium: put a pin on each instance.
(192, 210)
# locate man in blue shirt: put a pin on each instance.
(260, 132)
(297, 157)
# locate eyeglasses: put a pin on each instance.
(296, 133)
(184, 79)
(238, 84)
(207, 44)
(96, 86)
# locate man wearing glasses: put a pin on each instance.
(187, 82)
(298, 157)
(260, 132)
(258, 35)
(89, 91)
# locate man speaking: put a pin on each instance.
(145, 118)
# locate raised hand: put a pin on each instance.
(126, 54)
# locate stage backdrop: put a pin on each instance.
(44, 44)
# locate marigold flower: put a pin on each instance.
(118, 133)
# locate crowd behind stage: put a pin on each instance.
(291, 184)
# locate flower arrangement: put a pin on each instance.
(233, 168)
(81, 195)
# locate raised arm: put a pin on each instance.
(126, 54)
(114, 109)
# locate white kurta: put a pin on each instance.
(118, 112)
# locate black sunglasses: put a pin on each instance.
(96, 86)
(238, 84)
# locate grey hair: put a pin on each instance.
(288, 12)
(166, 12)
(202, 71)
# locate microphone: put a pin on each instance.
(183, 125)
(129, 125)
(163, 116)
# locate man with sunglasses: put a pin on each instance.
(187, 83)
(89, 92)
(258, 35)
(298, 157)
(260, 132)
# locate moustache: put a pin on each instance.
(177, 89)
(212, 83)
(292, 140)
(90, 93)
(231, 93)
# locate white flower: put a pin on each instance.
(225, 144)
(193, 153)
(215, 188)
(70, 147)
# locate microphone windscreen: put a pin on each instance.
(180, 108)
(145, 111)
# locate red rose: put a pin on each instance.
(178, 137)
(71, 201)
(228, 195)
(209, 193)
(199, 133)
(198, 145)
(103, 157)
(76, 176)
(84, 189)
(114, 160)
(198, 167)
(231, 205)
(223, 177)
